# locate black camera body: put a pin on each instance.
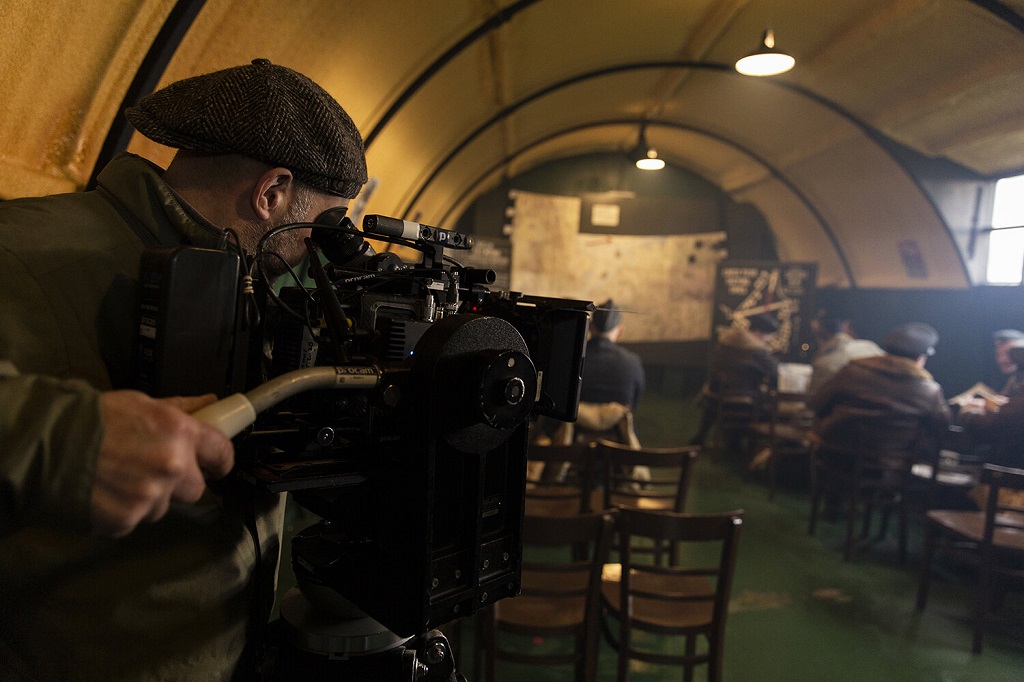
(417, 464)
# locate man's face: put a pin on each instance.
(1002, 352)
(290, 243)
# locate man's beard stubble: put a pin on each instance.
(289, 244)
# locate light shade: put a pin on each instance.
(766, 60)
(650, 162)
(645, 156)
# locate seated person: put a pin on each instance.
(893, 384)
(613, 383)
(741, 365)
(980, 393)
(998, 430)
(836, 347)
(1002, 341)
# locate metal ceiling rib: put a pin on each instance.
(873, 134)
(701, 41)
(146, 78)
(501, 17)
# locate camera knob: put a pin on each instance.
(515, 391)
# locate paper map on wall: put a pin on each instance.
(665, 283)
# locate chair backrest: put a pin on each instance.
(1004, 504)
(891, 442)
(692, 590)
(563, 557)
(788, 407)
(560, 478)
(647, 478)
(572, 573)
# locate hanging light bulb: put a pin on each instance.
(766, 60)
(650, 161)
(645, 156)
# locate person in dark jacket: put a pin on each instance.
(116, 560)
(612, 384)
(742, 365)
(611, 373)
(874, 388)
(998, 430)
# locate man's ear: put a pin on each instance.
(271, 193)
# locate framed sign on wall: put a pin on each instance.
(783, 290)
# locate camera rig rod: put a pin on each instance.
(237, 412)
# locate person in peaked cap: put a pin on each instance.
(1002, 341)
(997, 432)
(868, 390)
(118, 563)
(914, 340)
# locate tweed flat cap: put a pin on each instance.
(1006, 335)
(261, 110)
(911, 340)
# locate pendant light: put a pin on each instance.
(766, 60)
(645, 156)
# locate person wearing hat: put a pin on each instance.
(117, 561)
(742, 365)
(611, 373)
(611, 387)
(836, 347)
(997, 431)
(885, 385)
(1002, 341)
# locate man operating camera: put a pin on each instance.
(117, 560)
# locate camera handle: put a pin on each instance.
(356, 646)
(235, 413)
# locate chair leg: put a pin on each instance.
(621, 645)
(851, 520)
(815, 502)
(924, 582)
(981, 607)
(691, 651)
(715, 658)
(903, 532)
(484, 661)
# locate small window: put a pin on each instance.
(1006, 242)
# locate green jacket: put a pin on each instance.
(173, 599)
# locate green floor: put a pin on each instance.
(800, 613)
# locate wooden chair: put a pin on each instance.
(784, 433)
(869, 472)
(561, 478)
(560, 595)
(991, 540)
(646, 478)
(687, 598)
(736, 411)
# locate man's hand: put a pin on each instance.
(152, 453)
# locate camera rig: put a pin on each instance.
(391, 399)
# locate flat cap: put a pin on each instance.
(911, 340)
(1005, 335)
(264, 111)
(608, 316)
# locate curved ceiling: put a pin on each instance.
(453, 96)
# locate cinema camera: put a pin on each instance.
(394, 404)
